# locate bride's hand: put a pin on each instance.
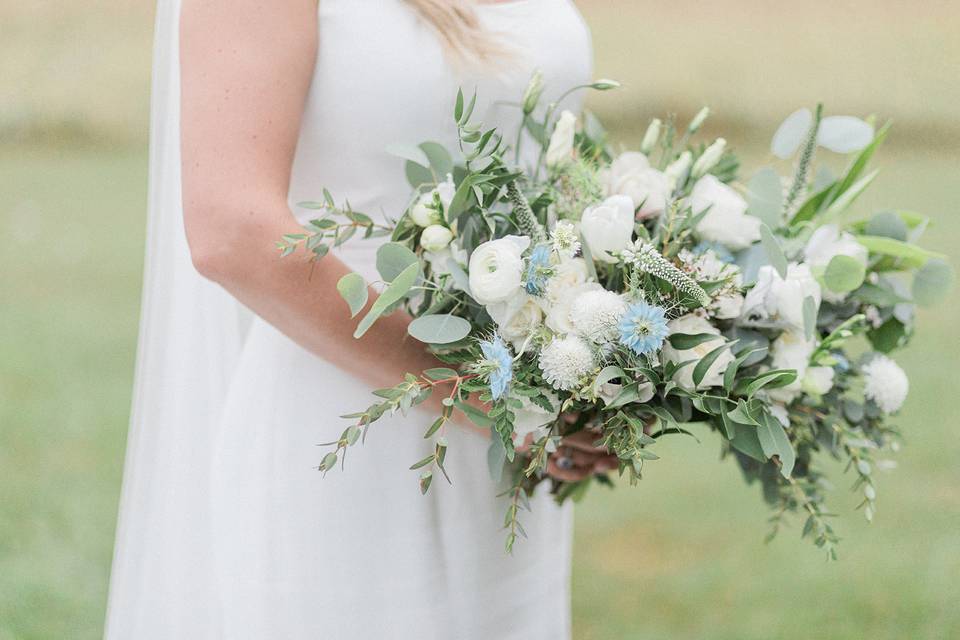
(577, 458)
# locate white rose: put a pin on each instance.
(828, 242)
(791, 350)
(631, 175)
(531, 418)
(693, 324)
(560, 149)
(608, 227)
(558, 315)
(781, 300)
(517, 317)
(435, 238)
(496, 268)
(726, 220)
(422, 212)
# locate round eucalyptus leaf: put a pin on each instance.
(844, 134)
(393, 258)
(353, 289)
(790, 133)
(438, 157)
(889, 225)
(765, 194)
(932, 281)
(439, 329)
(844, 274)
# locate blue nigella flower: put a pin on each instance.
(500, 362)
(723, 254)
(538, 269)
(643, 328)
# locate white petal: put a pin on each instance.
(844, 134)
(790, 133)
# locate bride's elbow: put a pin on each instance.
(214, 246)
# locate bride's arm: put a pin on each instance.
(246, 67)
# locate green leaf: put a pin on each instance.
(844, 274)
(496, 457)
(413, 154)
(685, 341)
(843, 202)
(422, 463)
(439, 158)
(774, 251)
(700, 371)
(425, 479)
(417, 175)
(393, 258)
(461, 199)
(439, 328)
(400, 286)
(774, 442)
(912, 254)
(932, 281)
(887, 224)
(765, 194)
(440, 373)
(353, 289)
(774, 378)
(606, 375)
(746, 441)
(809, 317)
(476, 416)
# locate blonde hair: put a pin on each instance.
(460, 30)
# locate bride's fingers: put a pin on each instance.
(583, 441)
(571, 474)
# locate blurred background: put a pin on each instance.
(682, 555)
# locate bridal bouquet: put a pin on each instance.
(630, 295)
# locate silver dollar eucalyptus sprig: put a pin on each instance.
(646, 258)
(527, 222)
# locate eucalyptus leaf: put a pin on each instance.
(496, 457)
(439, 328)
(809, 317)
(393, 258)
(887, 224)
(844, 274)
(774, 252)
(353, 289)
(844, 134)
(407, 152)
(912, 254)
(400, 286)
(774, 442)
(765, 195)
(438, 158)
(932, 281)
(417, 175)
(790, 133)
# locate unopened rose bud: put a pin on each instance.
(709, 159)
(651, 136)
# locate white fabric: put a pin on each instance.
(226, 528)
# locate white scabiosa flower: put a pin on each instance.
(596, 314)
(885, 383)
(565, 362)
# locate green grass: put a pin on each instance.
(680, 556)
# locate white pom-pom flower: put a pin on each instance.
(596, 314)
(885, 383)
(565, 362)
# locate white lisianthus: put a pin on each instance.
(566, 361)
(818, 380)
(532, 418)
(423, 212)
(559, 318)
(630, 174)
(791, 350)
(560, 149)
(777, 299)
(595, 315)
(693, 324)
(517, 317)
(435, 238)
(726, 220)
(885, 383)
(496, 268)
(608, 227)
(709, 158)
(828, 242)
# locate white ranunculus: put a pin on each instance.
(791, 350)
(828, 242)
(532, 418)
(558, 315)
(435, 238)
(777, 299)
(517, 317)
(608, 227)
(726, 220)
(496, 268)
(693, 324)
(818, 380)
(560, 149)
(423, 213)
(631, 175)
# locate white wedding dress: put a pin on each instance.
(227, 530)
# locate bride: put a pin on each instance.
(226, 528)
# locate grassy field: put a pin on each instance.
(680, 556)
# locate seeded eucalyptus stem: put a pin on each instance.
(527, 222)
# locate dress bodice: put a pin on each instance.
(382, 78)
